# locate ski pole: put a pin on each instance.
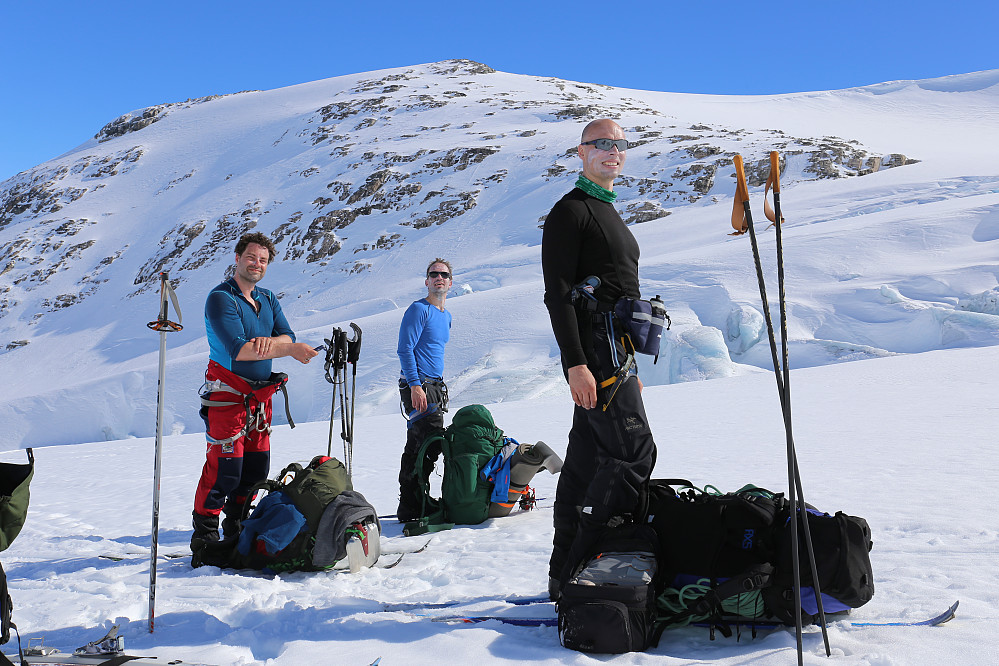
(333, 350)
(778, 219)
(162, 325)
(746, 223)
(353, 353)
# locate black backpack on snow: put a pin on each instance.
(608, 606)
(734, 551)
(841, 545)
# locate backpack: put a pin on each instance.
(608, 606)
(14, 496)
(841, 545)
(310, 520)
(468, 444)
(729, 554)
(485, 473)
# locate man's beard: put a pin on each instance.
(252, 278)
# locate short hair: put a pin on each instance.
(438, 260)
(259, 239)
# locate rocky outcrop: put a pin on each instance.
(133, 121)
(130, 122)
(376, 164)
(171, 246)
(643, 212)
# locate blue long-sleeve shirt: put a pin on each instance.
(424, 331)
(231, 321)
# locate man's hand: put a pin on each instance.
(262, 347)
(419, 398)
(302, 352)
(583, 386)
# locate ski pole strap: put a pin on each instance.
(354, 346)
(773, 181)
(167, 295)
(337, 354)
(739, 221)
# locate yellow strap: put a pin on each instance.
(773, 180)
(607, 382)
(741, 195)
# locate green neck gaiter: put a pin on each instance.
(595, 190)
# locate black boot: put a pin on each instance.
(206, 530)
(231, 523)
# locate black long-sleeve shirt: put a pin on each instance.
(584, 236)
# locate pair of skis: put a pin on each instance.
(428, 610)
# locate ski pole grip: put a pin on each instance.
(775, 170)
(741, 202)
(164, 277)
(741, 190)
(354, 345)
(163, 323)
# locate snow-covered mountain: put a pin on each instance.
(891, 196)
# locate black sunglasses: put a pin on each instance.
(605, 144)
(443, 274)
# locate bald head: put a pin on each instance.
(602, 166)
(601, 128)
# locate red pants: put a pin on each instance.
(232, 468)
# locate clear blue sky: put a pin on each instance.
(69, 67)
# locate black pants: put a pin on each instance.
(419, 428)
(608, 462)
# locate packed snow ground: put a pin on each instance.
(907, 442)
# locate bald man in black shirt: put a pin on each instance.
(611, 452)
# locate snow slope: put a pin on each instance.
(364, 179)
(906, 442)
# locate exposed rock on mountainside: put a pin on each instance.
(368, 166)
(134, 121)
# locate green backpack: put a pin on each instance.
(314, 490)
(14, 496)
(470, 442)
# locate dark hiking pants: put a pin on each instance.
(608, 461)
(418, 429)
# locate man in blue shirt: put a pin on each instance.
(425, 329)
(246, 329)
